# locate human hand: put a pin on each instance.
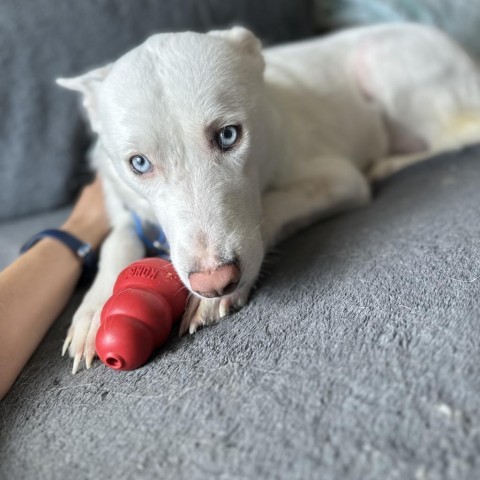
(88, 220)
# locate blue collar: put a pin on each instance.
(152, 237)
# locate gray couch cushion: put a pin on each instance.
(14, 233)
(42, 138)
(357, 358)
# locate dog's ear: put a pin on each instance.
(88, 85)
(245, 40)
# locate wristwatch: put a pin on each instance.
(84, 251)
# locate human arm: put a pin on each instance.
(36, 287)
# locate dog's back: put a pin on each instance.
(396, 88)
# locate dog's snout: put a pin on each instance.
(215, 283)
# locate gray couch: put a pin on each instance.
(357, 357)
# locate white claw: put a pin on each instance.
(66, 343)
(89, 350)
(182, 329)
(89, 356)
(76, 363)
(223, 309)
(194, 324)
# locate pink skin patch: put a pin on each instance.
(360, 69)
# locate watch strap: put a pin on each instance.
(84, 251)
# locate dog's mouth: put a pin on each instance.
(230, 288)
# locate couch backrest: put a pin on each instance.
(43, 138)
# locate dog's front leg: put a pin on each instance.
(338, 187)
(120, 248)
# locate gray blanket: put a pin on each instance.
(357, 358)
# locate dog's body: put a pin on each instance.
(312, 123)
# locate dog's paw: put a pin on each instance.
(205, 311)
(80, 340)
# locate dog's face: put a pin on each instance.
(177, 117)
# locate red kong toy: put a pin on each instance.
(148, 297)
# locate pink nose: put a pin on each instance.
(215, 283)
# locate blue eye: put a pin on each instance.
(140, 164)
(227, 136)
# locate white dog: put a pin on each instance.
(230, 148)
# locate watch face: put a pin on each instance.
(84, 250)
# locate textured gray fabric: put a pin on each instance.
(42, 137)
(357, 358)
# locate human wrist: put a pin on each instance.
(88, 220)
(87, 231)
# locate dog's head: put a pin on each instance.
(178, 119)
